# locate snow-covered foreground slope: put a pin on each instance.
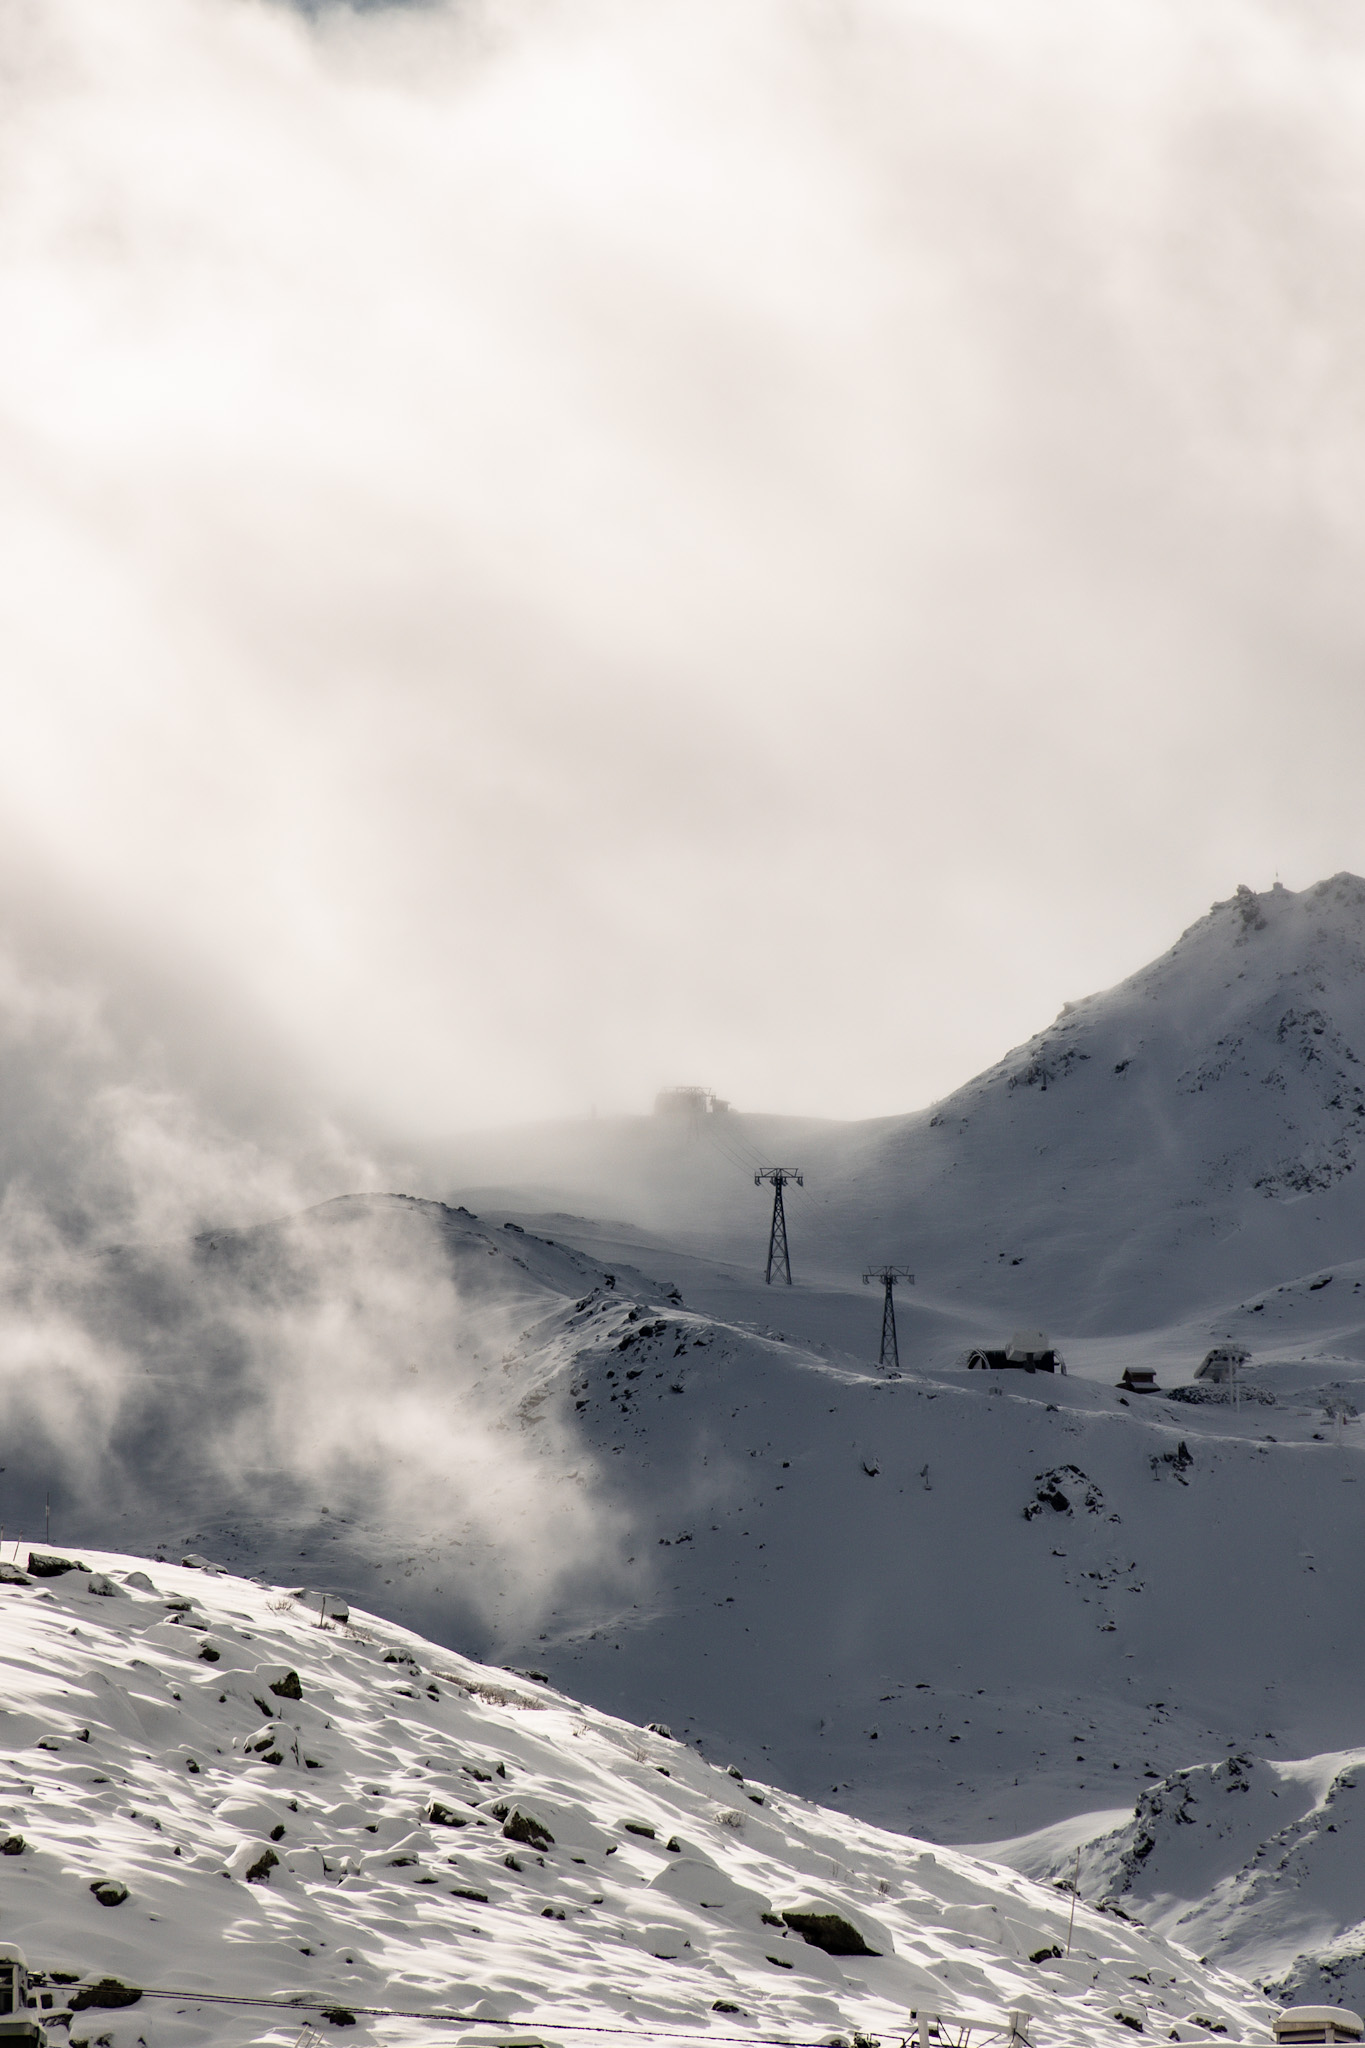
(350, 1821)
(1192, 1134)
(1254, 1861)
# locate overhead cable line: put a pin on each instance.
(928, 2027)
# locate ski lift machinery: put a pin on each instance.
(16, 2021)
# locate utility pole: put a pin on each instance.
(778, 1254)
(1075, 1894)
(889, 1355)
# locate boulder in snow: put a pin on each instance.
(524, 1827)
(696, 1881)
(442, 1816)
(45, 1564)
(833, 1927)
(109, 1891)
(107, 1995)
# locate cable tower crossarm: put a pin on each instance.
(779, 1257)
(889, 1278)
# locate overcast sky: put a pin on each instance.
(555, 549)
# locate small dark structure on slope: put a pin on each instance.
(1139, 1379)
(1027, 1351)
(1220, 1364)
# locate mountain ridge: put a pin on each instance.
(1189, 1134)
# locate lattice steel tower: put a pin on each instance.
(778, 1254)
(889, 1355)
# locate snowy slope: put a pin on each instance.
(347, 1821)
(611, 1452)
(1181, 1139)
(858, 1585)
(1253, 1861)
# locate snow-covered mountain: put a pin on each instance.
(226, 1815)
(906, 1596)
(959, 1605)
(1183, 1138)
(1254, 1862)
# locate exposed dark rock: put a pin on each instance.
(109, 1891)
(1045, 1955)
(13, 1845)
(442, 1816)
(288, 1687)
(1205, 1396)
(45, 1564)
(1178, 1462)
(828, 1931)
(524, 1827)
(337, 2016)
(1063, 1489)
(10, 1575)
(108, 1994)
(208, 1654)
(259, 1871)
(464, 1891)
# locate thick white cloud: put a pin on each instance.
(562, 548)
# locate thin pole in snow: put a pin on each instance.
(1075, 1887)
(47, 1518)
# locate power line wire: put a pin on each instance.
(964, 2028)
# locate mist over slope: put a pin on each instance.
(1182, 1137)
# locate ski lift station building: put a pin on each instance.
(17, 2023)
(1220, 1364)
(1304, 2026)
(1027, 1351)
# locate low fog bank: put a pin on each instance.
(194, 1338)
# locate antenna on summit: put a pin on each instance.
(778, 1254)
(889, 1355)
